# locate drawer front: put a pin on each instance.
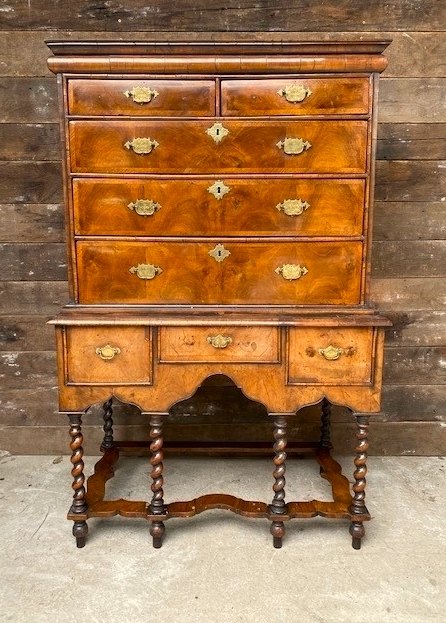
(186, 147)
(273, 207)
(219, 344)
(176, 98)
(326, 356)
(295, 96)
(235, 272)
(108, 355)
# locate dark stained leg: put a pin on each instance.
(108, 440)
(325, 440)
(157, 528)
(278, 504)
(79, 505)
(358, 502)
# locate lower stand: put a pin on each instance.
(358, 507)
(79, 505)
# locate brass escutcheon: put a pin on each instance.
(142, 145)
(331, 353)
(217, 132)
(144, 207)
(219, 189)
(141, 94)
(293, 146)
(291, 272)
(219, 253)
(294, 93)
(107, 352)
(219, 341)
(145, 271)
(293, 207)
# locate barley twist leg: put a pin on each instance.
(157, 528)
(278, 504)
(358, 507)
(108, 440)
(79, 505)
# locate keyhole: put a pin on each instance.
(218, 190)
(219, 253)
(217, 131)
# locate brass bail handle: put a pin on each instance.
(142, 145)
(107, 352)
(331, 353)
(219, 341)
(141, 94)
(294, 146)
(294, 93)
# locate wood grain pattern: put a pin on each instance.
(31, 222)
(336, 147)
(191, 275)
(187, 208)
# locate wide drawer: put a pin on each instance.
(219, 344)
(327, 356)
(233, 272)
(176, 98)
(295, 96)
(187, 147)
(273, 207)
(108, 355)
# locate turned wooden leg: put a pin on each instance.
(108, 440)
(278, 504)
(79, 505)
(325, 439)
(358, 502)
(157, 528)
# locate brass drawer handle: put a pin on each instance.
(107, 352)
(294, 93)
(219, 341)
(145, 271)
(291, 272)
(144, 207)
(218, 189)
(141, 95)
(217, 132)
(142, 145)
(293, 207)
(331, 353)
(293, 146)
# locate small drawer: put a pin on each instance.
(219, 344)
(137, 98)
(326, 356)
(108, 356)
(295, 96)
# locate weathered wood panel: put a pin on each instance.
(31, 182)
(398, 220)
(20, 141)
(399, 295)
(414, 258)
(30, 222)
(24, 370)
(426, 365)
(25, 333)
(411, 54)
(403, 180)
(386, 438)
(29, 297)
(234, 15)
(414, 402)
(417, 328)
(33, 262)
(28, 100)
(413, 141)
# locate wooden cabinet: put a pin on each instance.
(219, 210)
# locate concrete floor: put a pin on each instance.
(218, 567)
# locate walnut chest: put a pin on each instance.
(219, 207)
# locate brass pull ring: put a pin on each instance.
(144, 207)
(107, 352)
(293, 146)
(294, 93)
(142, 146)
(145, 271)
(291, 272)
(293, 207)
(219, 341)
(331, 353)
(141, 94)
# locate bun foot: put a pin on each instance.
(357, 531)
(157, 530)
(278, 531)
(80, 531)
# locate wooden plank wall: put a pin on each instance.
(409, 237)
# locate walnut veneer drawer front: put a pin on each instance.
(295, 96)
(219, 344)
(240, 146)
(176, 98)
(108, 355)
(234, 272)
(273, 207)
(330, 356)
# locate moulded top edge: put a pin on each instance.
(142, 48)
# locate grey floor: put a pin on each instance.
(218, 567)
